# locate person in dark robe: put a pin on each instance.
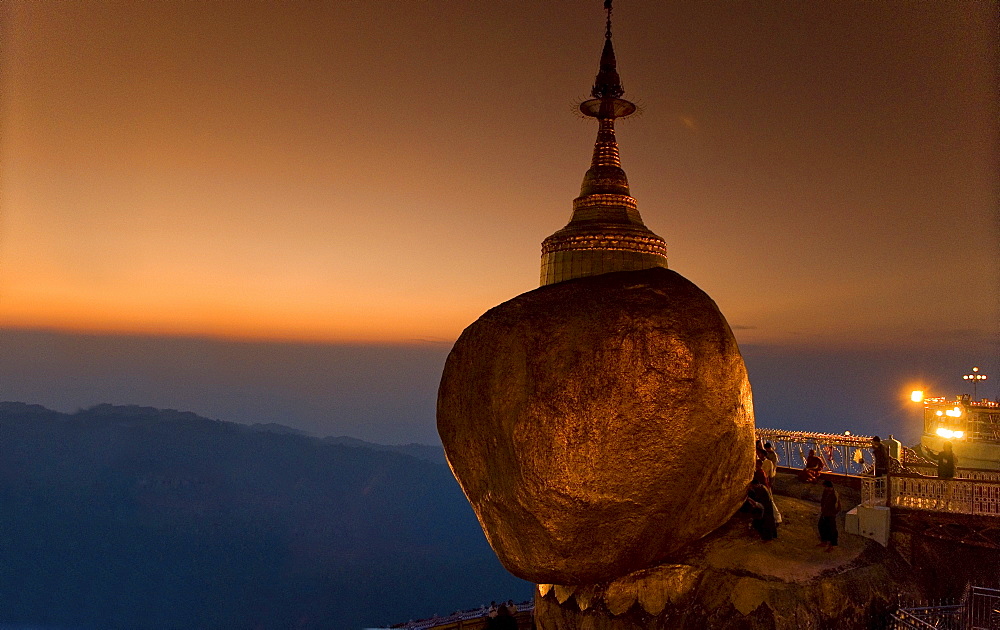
(505, 619)
(758, 472)
(881, 454)
(829, 508)
(763, 511)
(814, 465)
(945, 470)
(945, 461)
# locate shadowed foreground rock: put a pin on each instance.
(731, 579)
(599, 424)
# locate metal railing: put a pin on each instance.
(913, 492)
(956, 496)
(874, 491)
(982, 608)
(974, 491)
(978, 609)
(927, 618)
(844, 454)
(977, 474)
(473, 619)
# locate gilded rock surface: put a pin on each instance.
(599, 424)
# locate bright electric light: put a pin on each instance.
(939, 413)
(916, 395)
(954, 413)
(959, 434)
(945, 433)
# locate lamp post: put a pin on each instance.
(975, 377)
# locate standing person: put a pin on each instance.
(769, 469)
(505, 619)
(946, 470)
(829, 508)
(881, 454)
(945, 461)
(770, 454)
(758, 473)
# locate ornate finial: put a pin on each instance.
(607, 90)
(607, 30)
(605, 174)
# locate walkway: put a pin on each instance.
(912, 482)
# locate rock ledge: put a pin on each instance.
(731, 579)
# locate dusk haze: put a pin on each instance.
(372, 173)
(263, 226)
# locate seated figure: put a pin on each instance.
(814, 465)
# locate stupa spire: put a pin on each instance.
(608, 83)
(605, 233)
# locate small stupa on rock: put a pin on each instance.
(604, 420)
(605, 233)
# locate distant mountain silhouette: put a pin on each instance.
(425, 452)
(274, 427)
(420, 451)
(134, 517)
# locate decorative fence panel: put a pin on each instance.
(957, 496)
(977, 474)
(928, 618)
(874, 491)
(982, 609)
(475, 619)
(978, 609)
(845, 454)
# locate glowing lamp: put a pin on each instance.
(916, 395)
(954, 413)
(938, 413)
(975, 377)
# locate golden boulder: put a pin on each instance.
(598, 425)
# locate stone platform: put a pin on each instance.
(732, 579)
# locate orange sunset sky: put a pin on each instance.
(385, 171)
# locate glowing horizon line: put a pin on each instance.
(232, 337)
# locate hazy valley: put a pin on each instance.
(133, 517)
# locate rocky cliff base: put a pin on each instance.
(732, 579)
